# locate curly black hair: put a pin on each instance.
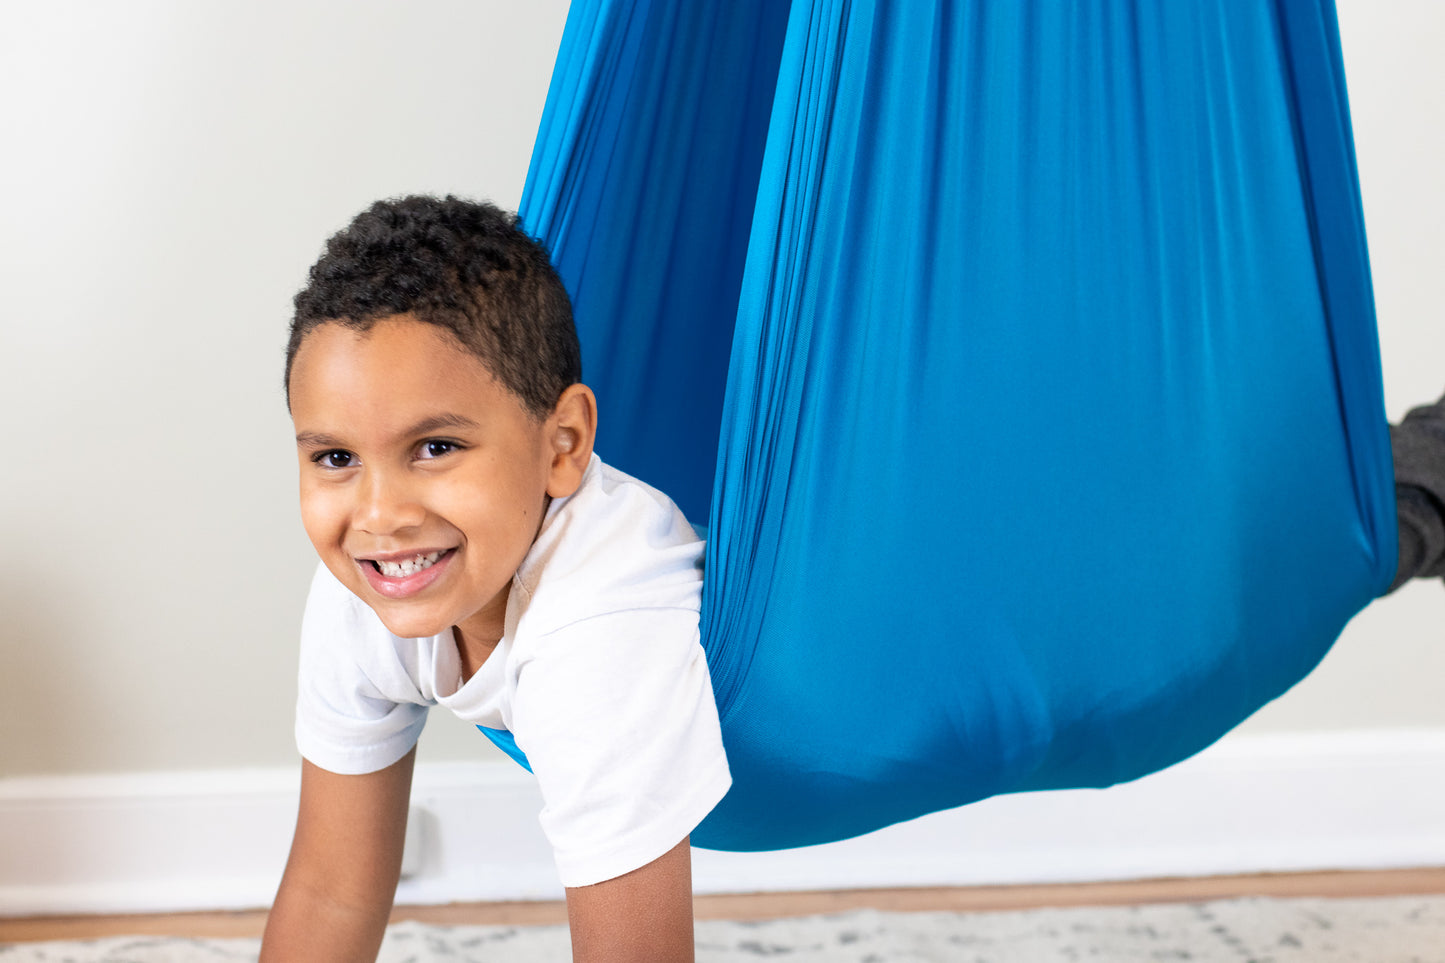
(462, 265)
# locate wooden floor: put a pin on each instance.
(769, 905)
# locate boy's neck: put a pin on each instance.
(474, 648)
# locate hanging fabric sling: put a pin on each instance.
(1020, 356)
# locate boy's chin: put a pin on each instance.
(406, 622)
(406, 619)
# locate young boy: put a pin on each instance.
(477, 555)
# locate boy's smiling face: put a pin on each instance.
(423, 479)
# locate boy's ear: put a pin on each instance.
(571, 431)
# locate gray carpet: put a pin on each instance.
(1395, 930)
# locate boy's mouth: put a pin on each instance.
(406, 566)
(402, 576)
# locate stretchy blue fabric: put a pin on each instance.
(1021, 356)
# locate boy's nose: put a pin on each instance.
(385, 505)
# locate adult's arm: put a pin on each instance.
(341, 878)
(1418, 446)
(644, 916)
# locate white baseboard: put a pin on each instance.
(162, 842)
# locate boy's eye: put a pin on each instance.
(335, 458)
(436, 448)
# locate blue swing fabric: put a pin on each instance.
(1022, 356)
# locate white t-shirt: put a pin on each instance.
(600, 678)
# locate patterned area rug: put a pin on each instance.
(1395, 930)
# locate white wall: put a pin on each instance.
(171, 170)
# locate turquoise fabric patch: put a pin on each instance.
(503, 740)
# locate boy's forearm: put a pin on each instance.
(307, 925)
(340, 880)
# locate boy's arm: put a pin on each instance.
(644, 916)
(340, 881)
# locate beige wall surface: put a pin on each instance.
(171, 170)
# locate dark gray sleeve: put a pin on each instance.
(1418, 445)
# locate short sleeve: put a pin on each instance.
(357, 709)
(617, 718)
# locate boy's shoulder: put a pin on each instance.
(615, 544)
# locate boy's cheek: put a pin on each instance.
(322, 519)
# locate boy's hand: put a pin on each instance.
(645, 915)
(345, 861)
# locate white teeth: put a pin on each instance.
(408, 567)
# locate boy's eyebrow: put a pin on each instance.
(317, 439)
(435, 422)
